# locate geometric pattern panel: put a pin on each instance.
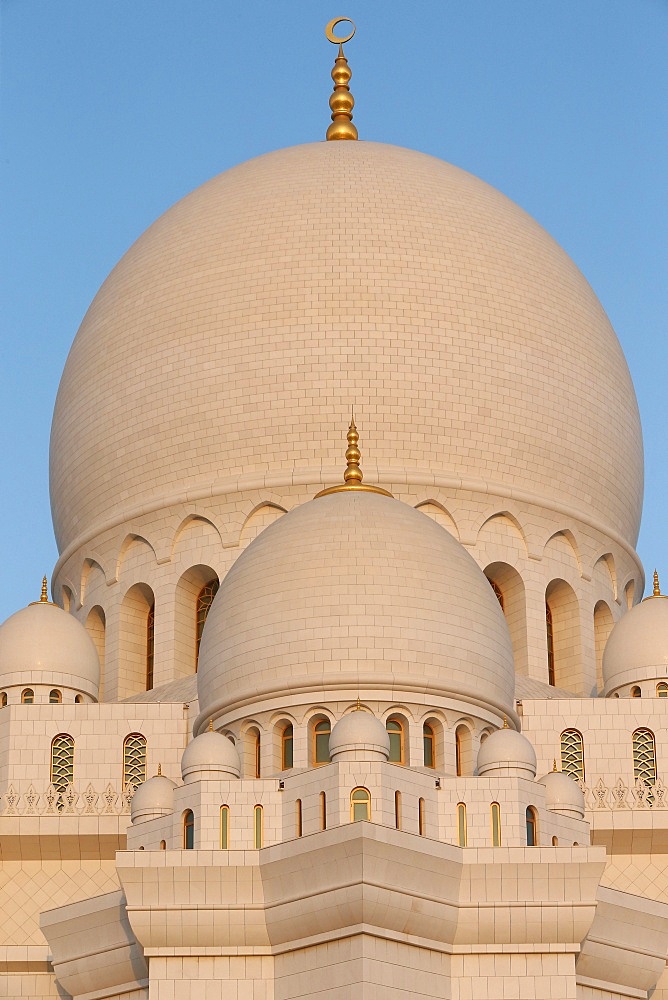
(134, 760)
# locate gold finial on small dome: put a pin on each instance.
(211, 725)
(657, 588)
(505, 723)
(44, 597)
(554, 764)
(341, 101)
(159, 769)
(352, 477)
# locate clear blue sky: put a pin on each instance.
(114, 109)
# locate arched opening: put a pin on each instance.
(463, 751)
(495, 818)
(662, 690)
(252, 743)
(360, 805)
(287, 746)
(224, 828)
(78, 699)
(27, 696)
(555, 841)
(194, 596)
(397, 734)
(96, 625)
(462, 831)
(603, 622)
(572, 754)
(3, 699)
(55, 697)
(635, 691)
(323, 811)
(508, 586)
(134, 760)
(67, 598)
(258, 828)
(644, 756)
(422, 818)
(137, 641)
(562, 626)
(188, 830)
(62, 761)
(163, 845)
(429, 744)
(397, 810)
(629, 593)
(320, 730)
(298, 817)
(532, 827)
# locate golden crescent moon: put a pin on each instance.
(329, 30)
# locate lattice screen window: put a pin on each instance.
(204, 602)
(62, 761)
(134, 760)
(644, 756)
(572, 754)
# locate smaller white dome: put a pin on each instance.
(563, 794)
(507, 753)
(153, 798)
(637, 649)
(359, 736)
(210, 755)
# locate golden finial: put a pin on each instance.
(352, 477)
(342, 101)
(505, 723)
(554, 764)
(211, 725)
(657, 588)
(159, 769)
(44, 597)
(358, 706)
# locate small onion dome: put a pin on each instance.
(359, 736)
(44, 645)
(153, 798)
(507, 753)
(563, 794)
(637, 649)
(210, 755)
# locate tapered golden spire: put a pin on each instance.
(44, 597)
(342, 101)
(352, 477)
(657, 588)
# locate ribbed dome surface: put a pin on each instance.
(296, 283)
(358, 590)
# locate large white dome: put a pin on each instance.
(296, 283)
(355, 592)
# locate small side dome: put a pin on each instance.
(507, 753)
(637, 650)
(44, 645)
(153, 798)
(359, 736)
(563, 795)
(210, 755)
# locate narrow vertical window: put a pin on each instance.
(62, 761)
(258, 748)
(549, 629)
(258, 828)
(55, 697)
(321, 741)
(163, 845)
(298, 817)
(134, 760)
(662, 690)
(462, 832)
(463, 751)
(27, 696)
(202, 605)
(323, 811)
(150, 645)
(360, 805)
(572, 754)
(397, 810)
(429, 743)
(224, 828)
(644, 757)
(496, 824)
(395, 731)
(188, 830)
(287, 745)
(3, 699)
(532, 827)
(421, 818)
(555, 842)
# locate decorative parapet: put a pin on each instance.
(623, 796)
(111, 801)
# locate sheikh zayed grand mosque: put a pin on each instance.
(343, 686)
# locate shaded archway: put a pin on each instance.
(194, 594)
(96, 624)
(509, 589)
(136, 641)
(563, 640)
(603, 623)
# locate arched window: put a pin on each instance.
(461, 825)
(323, 811)
(78, 699)
(258, 828)
(134, 760)
(397, 810)
(662, 690)
(555, 842)
(636, 692)
(150, 646)
(395, 731)
(287, 744)
(497, 590)
(163, 845)
(321, 733)
(202, 605)
(188, 830)
(429, 742)
(3, 699)
(644, 756)
(572, 754)
(360, 804)
(532, 827)
(55, 697)
(224, 828)
(421, 818)
(298, 817)
(258, 758)
(62, 761)
(27, 696)
(549, 628)
(463, 751)
(495, 815)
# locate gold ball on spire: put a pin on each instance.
(341, 102)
